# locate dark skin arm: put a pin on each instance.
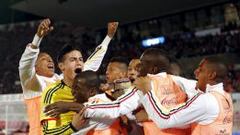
(141, 116)
(77, 122)
(78, 119)
(55, 109)
(143, 84)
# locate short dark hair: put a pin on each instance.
(41, 53)
(119, 59)
(160, 59)
(123, 63)
(91, 77)
(66, 49)
(216, 64)
(91, 83)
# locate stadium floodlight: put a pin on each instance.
(153, 41)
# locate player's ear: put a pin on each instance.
(92, 92)
(213, 75)
(154, 70)
(61, 66)
(123, 74)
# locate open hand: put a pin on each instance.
(141, 116)
(57, 108)
(78, 120)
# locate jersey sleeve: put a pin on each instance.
(188, 85)
(111, 110)
(26, 68)
(193, 110)
(95, 59)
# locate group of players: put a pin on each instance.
(145, 97)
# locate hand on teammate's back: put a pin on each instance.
(57, 108)
(143, 84)
(141, 116)
(78, 119)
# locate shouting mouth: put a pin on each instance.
(78, 70)
(50, 66)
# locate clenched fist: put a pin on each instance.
(112, 28)
(44, 28)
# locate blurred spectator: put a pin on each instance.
(127, 43)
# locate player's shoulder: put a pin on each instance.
(50, 91)
(57, 76)
(54, 86)
(102, 95)
(204, 99)
(99, 98)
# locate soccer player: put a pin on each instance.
(133, 118)
(116, 71)
(70, 60)
(150, 128)
(133, 69)
(115, 74)
(153, 61)
(117, 86)
(36, 71)
(208, 113)
(84, 87)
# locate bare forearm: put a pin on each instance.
(74, 106)
(57, 108)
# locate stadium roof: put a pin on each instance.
(9, 15)
(96, 13)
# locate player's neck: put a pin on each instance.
(68, 82)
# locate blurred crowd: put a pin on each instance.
(127, 43)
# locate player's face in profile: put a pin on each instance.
(133, 71)
(44, 65)
(114, 72)
(201, 74)
(144, 65)
(72, 61)
(80, 90)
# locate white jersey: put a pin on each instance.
(96, 124)
(112, 110)
(131, 101)
(203, 108)
(33, 84)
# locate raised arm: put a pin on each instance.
(95, 59)
(28, 60)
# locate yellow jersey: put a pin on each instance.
(58, 91)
